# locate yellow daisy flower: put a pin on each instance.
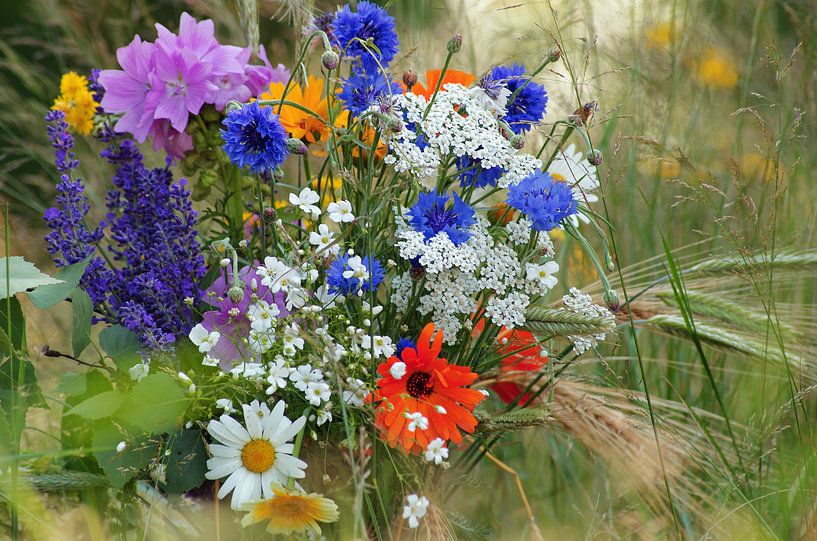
(77, 102)
(291, 511)
(716, 70)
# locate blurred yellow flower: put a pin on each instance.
(716, 69)
(659, 36)
(754, 164)
(77, 102)
(289, 512)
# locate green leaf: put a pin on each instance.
(98, 406)
(187, 461)
(83, 309)
(18, 322)
(21, 276)
(73, 384)
(155, 404)
(21, 393)
(121, 345)
(121, 467)
(49, 295)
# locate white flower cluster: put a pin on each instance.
(456, 275)
(448, 131)
(582, 303)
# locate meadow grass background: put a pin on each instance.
(706, 123)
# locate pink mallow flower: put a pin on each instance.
(231, 319)
(126, 89)
(180, 84)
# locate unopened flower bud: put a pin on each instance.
(121, 446)
(517, 141)
(395, 125)
(233, 105)
(594, 157)
(236, 294)
(243, 244)
(270, 214)
(553, 55)
(278, 174)
(409, 78)
(225, 262)
(296, 146)
(417, 273)
(455, 44)
(330, 59)
(611, 300)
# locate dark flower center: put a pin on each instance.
(252, 138)
(438, 218)
(417, 385)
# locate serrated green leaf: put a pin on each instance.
(122, 345)
(121, 467)
(187, 461)
(154, 404)
(18, 275)
(83, 309)
(49, 295)
(98, 406)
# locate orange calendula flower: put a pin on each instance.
(299, 123)
(77, 102)
(421, 396)
(290, 511)
(433, 76)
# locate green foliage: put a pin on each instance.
(21, 276)
(154, 404)
(121, 345)
(17, 323)
(121, 467)
(186, 461)
(49, 295)
(99, 406)
(82, 308)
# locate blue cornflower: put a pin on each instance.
(370, 21)
(255, 138)
(528, 107)
(432, 214)
(347, 274)
(362, 90)
(542, 199)
(471, 173)
(404, 343)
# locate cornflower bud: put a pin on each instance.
(270, 214)
(296, 146)
(330, 59)
(409, 78)
(595, 157)
(455, 44)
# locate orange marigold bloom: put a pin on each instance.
(432, 76)
(297, 122)
(427, 385)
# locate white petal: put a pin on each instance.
(231, 482)
(287, 434)
(217, 470)
(253, 423)
(224, 451)
(222, 434)
(239, 432)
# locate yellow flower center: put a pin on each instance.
(557, 177)
(258, 456)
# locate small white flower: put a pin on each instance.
(226, 404)
(191, 386)
(416, 420)
(380, 345)
(322, 239)
(277, 275)
(251, 371)
(356, 269)
(262, 315)
(306, 202)
(277, 375)
(340, 212)
(203, 338)
(324, 415)
(292, 339)
(302, 376)
(436, 451)
(260, 342)
(317, 392)
(139, 371)
(543, 275)
(398, 370)
(416, 508)
(356, 394)
(121, 446)
(209, 361)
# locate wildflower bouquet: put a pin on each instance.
(348, 294)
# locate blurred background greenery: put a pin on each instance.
(706, 121)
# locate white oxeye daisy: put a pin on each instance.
(306, 202)
(203, 338)
(436, 451)
(416, 508)
(256, 456)
(340, 212)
